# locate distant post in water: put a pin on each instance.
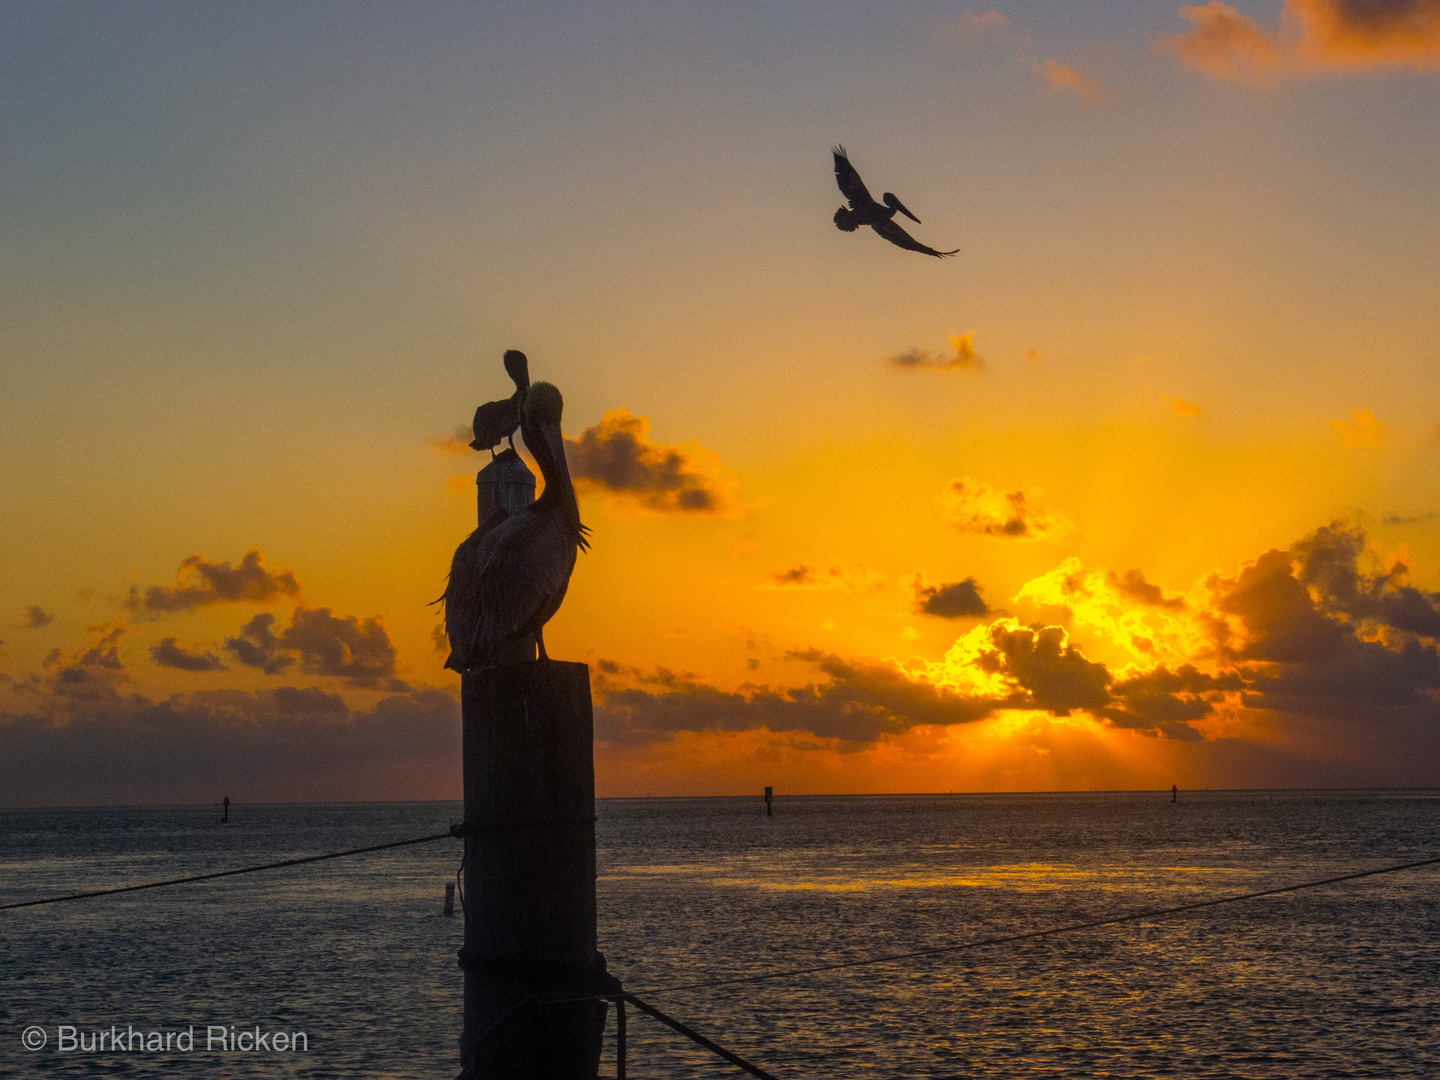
(449, 908)
(225, 815)
(769, 799)
(1174, 793)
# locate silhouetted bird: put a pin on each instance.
(864, 210)
(509, 576)
(496, 420)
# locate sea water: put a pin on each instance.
(356, 956)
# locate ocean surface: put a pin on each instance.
(1342, 980)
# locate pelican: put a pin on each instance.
(510, 575)
(496, 420)
(864, 210)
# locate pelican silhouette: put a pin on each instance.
(510, 575)
(864, 210)
(496, 420)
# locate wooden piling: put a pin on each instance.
(769, 799)
(530, 875)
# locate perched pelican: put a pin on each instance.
(496, 420)
(509, 576)
(864, 210)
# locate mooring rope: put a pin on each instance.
(448, 834)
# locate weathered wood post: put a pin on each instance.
(529, 775)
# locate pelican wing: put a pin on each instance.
(851, 186)
(523, 579)
(493, 421)
(900, 238)
(462, 591)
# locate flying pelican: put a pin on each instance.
(510, 575)
(864, 210)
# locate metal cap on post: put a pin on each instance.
(506, 482)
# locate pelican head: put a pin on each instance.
(518, 368)
(895, 204)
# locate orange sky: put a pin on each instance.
(1139, 489)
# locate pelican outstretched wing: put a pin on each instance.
(851, 186)
(899, 237)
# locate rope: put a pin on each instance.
(1151, 913)
(691, 1033)
(230, 873)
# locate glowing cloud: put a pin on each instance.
(201, 582)
(1128, 610)
(1315, 36)
(975, 507)
(618, 458)
(1361, 430)
(320, 643)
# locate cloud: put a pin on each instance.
(36, 617)
(953, 600)
(1179, 406)
(1361, 430)
(169, 653)
(856, 701)
(975, 507)
(617, 457)
(318, 642)
(90, 672)
(1314, 37)
(200, 582)
(1134, 585)
(805, 576)
(981, 22)
(285, 744)
(1408, 519)
(964, 357)
(457, 442)
(1061, 75)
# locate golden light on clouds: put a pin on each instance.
(1314, 36)
(975, 507)
(1068, 78)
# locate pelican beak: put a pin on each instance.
(555, 443)
(901, 207)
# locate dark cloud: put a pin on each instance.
(321, 643)
(168, 652)
(1408, 519)
(285, 744)
(457, 442)
(618, 457)
(805, 576)
(1167, 700)
(1325, 635)
(90, 672)
(857, 702)
(953, 600)
(963, 357)
(1052, 674)
(1134, 585)
(36, 617)
(200, 582)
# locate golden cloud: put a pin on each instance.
(200, 582)
(976, 507)
(1314, 37)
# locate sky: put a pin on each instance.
(1138, 489)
